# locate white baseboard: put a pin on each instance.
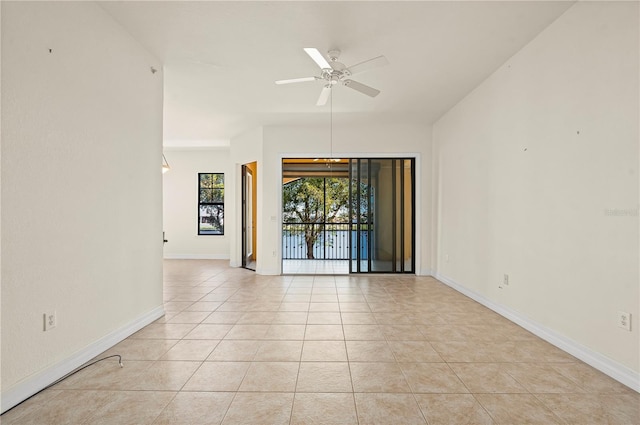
(196, 256)
(617, 371)
(35, 383)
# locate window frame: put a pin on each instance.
(219, 204)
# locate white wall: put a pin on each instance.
(180, 200)
(365, 140)
(537, 177)
(81, 189)
(1, 120)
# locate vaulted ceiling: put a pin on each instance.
(221, 58)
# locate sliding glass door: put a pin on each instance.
(355, 215)
(382, 215)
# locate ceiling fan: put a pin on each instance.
(333, 72)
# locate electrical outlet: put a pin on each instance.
(505, 280)
(624, 320)
(50, 320)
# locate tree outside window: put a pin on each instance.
(311, 204)
(211, 204)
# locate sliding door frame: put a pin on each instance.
(356, 170)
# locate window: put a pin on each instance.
(211, 204)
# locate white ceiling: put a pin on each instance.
(221, 58)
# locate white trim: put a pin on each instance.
(610, 367)
(35, 383)
(196, 256)
(424, 272)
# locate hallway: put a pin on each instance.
(239, 348)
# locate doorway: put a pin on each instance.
(249, 214)
(345, 216)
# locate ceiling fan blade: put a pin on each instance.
(324, 96)
(317, 57)
(368, 64)
(297, 80)
(369, 91)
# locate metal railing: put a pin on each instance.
(333, 242)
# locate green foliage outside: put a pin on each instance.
(211, 188)
(306, 201)
(211, 195)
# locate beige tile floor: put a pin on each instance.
(237, 348)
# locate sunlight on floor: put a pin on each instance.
(315, 266)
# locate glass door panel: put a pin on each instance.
(381, 215)
(360, 216)
(382, 219)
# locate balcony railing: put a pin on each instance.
(332, 243)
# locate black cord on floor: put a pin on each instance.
(73, 372)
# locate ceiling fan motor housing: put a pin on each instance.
(335, 74)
